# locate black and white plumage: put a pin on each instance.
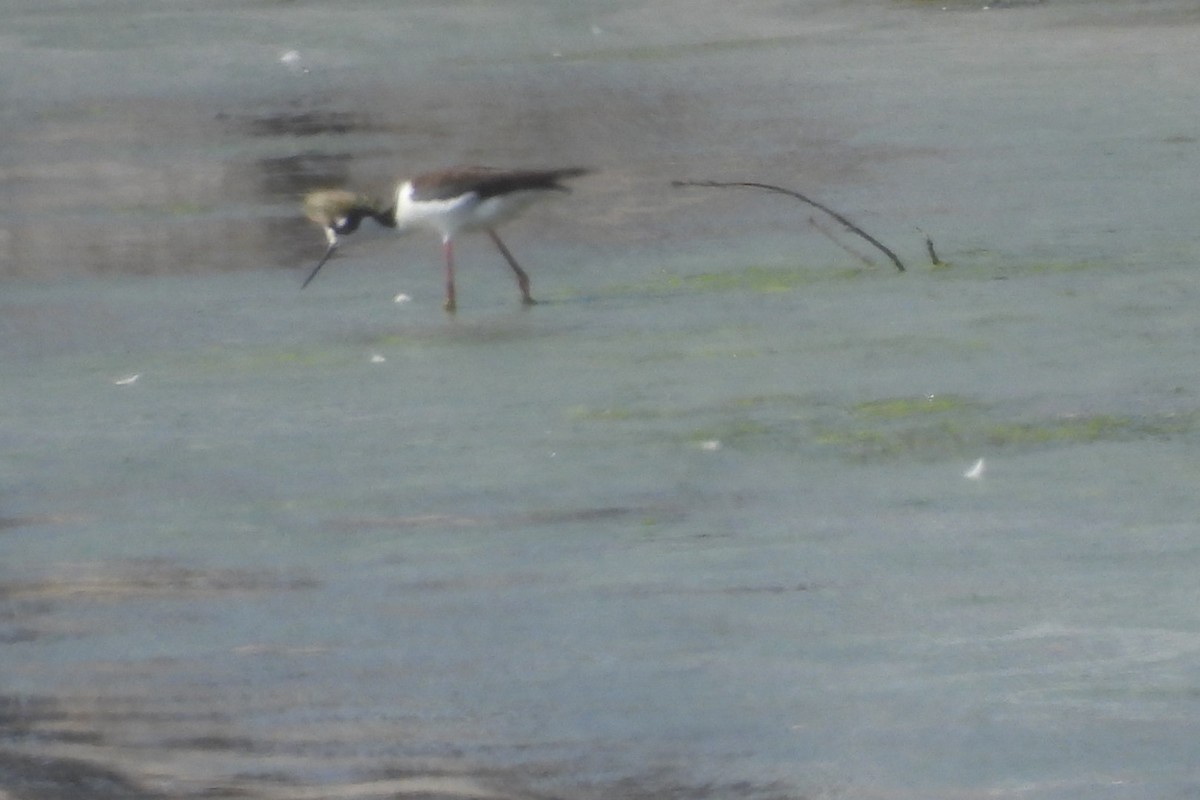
(448, 202)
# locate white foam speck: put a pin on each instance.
(291, 60)
(975, 473)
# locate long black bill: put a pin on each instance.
(321, 263)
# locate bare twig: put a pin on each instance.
(933, 256)
(828, 234)
(780, 190)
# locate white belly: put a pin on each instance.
(465, 213)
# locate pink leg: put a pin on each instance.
(522, 278)
(448, 250)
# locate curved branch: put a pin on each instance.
(780, 190)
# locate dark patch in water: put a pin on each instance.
(655, 513)
(661, 787)
(108, 773)
(771, 588)
(304, 123)
(290, 177)
(139, 576)
(37, 519)
(238, 744)
(41, 778)
(19, 636)
(18, 713)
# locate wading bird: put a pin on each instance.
(449, 202)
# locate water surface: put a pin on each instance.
(697, 524)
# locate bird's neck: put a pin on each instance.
(386, 217)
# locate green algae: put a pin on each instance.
(670, 50)
(1084, 429)
(752, 279)
(735, 431)
(925, 428)
(269, 359)
(901, 407)
(975, 431)
(613, 414)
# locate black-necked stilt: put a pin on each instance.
(450, 202)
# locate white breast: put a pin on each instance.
(464, 213)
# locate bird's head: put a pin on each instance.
(340, 212)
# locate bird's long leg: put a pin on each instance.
(333, 243)
(522, 278)
(448, 250)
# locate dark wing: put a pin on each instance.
(488, 182)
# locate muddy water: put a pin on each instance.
(699, 523)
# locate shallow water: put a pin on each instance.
(698, 523)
